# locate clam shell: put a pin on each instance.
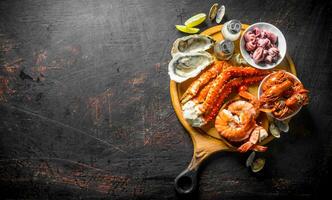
(282, 125)
(262, 134)
(237, 59)
(258, 165)
(188, 65)
(274, 130)
(213, 12)
(250, 159)
(220, 13)
(191, 44)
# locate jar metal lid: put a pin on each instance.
(234, 26)
(227, 46)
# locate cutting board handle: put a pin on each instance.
(204, 146)
(186, 182)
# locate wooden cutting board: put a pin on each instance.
(206, 140)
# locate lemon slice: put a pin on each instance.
(186, 29)
(195, 20)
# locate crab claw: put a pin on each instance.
(250, 146)
(252, 142)
(245, 147)
(259, 148)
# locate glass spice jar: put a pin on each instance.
(224, 49)
(231, 30)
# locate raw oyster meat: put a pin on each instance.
(188, 65)
(192, 43)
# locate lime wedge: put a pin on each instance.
(186, 29)
(195, 20)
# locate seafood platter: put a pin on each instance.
(233, 88)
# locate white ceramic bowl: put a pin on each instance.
(260, 93)
(281, 44)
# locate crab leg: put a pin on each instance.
(246, 71)
(223, 78)
(259, 148)
(202, 81)
(227, 89)
(203, 93)
(253, 140)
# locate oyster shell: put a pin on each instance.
(192, 43)
(188, 65)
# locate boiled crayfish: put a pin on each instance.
(282, 95)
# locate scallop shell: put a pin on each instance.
(192, 43)
(188, 65)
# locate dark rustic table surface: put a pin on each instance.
(85, 108)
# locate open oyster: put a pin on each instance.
(188, 65)
(192, 43)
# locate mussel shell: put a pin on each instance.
(192, 43)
